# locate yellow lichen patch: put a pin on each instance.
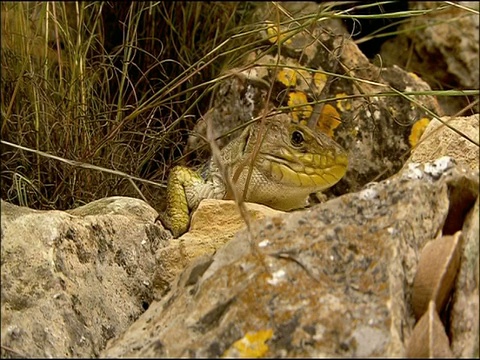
(319, 80)
(273, 35)
(287, 77)
(300, 111)
(329, 120)
(252, 345)
(417, 131)
(343, 104)
(414, 76)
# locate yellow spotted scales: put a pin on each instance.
(292, 162)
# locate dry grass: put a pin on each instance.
(112, 85)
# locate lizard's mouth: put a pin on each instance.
(316, 171)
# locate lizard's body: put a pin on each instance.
(291, 163)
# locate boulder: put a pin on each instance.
(72, 280)
(449, 136)
(441, 47)
(213, 224)
(334, 280)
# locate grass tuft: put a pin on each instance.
(110, 85)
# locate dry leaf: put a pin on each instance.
(437, 269)
(428, 339)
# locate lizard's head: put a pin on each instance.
(295, 155)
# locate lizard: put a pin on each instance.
(292, 162)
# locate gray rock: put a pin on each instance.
(442, 138)
(335, 280)
(213, 224)
(441, 46)
(464, 315)
(71, 281)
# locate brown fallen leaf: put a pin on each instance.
(428, 339)
(437, 268)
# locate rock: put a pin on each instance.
(441, 140)
(223, 218)
(443, 48)
(464, 315)
(334, 280)
(72, 280)
(115, 205)
(372, 28)
(213, 224)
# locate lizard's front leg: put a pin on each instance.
(182, 197)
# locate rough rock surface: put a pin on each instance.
(213, 224)
(71, 281)
(441, 140)
(442, 47)
(331, 281)
(464, 323)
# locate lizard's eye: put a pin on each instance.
(297, 138)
